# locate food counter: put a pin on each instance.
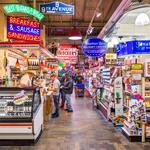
(21, 113)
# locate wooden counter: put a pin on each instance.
(47, 106)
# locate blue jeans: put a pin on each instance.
(62, 95)
(68, 99)
(56, 103)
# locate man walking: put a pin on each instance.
(68, 89)
(56, 89)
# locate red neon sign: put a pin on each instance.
(24, 22)
(23, 29)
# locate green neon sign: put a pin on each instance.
(13, 8)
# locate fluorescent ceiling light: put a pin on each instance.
(142, 19)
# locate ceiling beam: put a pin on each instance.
(84, 8)
(69, 24)
(115, 16)
(112, 8)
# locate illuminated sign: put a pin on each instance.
(67, 54)
(57, 8)
(133, 47)
(23, 29)
(94, 47)
(13, 8)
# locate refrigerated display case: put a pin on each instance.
(21, 113)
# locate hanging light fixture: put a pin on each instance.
(142, 19)
(17, 65)
(75, 34)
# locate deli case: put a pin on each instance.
(21, 113)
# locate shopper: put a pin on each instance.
(62, 93)
(68, 89)
(56, 89)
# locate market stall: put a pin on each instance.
(31, 113)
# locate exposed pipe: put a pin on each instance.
(97, 6)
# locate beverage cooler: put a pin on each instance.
(21, 113)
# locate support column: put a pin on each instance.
(34, 4)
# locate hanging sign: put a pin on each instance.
(94, 47)
(18, 8)
(133, 47)
(23, 29)
(67, 54)
(57, 8)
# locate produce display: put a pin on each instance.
(119, 120)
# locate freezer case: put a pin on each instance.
(21, 113)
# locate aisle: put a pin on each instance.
(82, 130)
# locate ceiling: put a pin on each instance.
(57, 26)
(126, 28)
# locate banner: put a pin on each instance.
(133, 47)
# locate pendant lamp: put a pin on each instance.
(17, 65)
(142, 19)
(74, 34)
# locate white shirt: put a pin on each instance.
(56, 86)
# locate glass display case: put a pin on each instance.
(21, 113)
(18, 104)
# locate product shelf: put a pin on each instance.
(130, 137)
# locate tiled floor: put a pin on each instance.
(83, 129)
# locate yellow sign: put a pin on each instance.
(111, 56)
(136, 67)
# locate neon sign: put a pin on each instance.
(13, 8)
(23, 29)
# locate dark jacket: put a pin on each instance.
(68, 86)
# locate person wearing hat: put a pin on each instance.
(56, 89)
(68, 89)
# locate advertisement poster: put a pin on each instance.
(118, 90)
(67, 54)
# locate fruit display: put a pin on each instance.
(119, 119)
